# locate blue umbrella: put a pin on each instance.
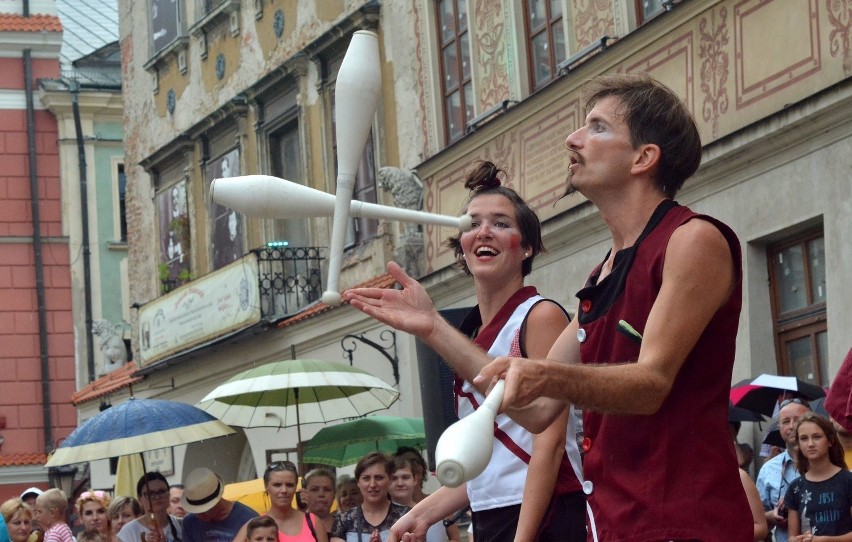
(135, 426)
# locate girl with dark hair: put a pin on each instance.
(531, 489)
(370, 522)
(820, 500)
(155, 524)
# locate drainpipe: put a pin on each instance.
(37, 246)
(84, 216)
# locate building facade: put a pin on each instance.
(228, 88)
(37, 334)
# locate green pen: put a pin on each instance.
(629, 331)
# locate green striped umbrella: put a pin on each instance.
(344, 444)
(294, 392)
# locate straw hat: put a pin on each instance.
(203, 490)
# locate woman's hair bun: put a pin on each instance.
(484, 176)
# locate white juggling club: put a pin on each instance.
(356, 95)
(464, 449)
(264, 196)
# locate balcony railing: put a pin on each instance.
(290, 278)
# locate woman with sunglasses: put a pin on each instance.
(92, 506)
(155, 524)
(280, 480)
(531, 488)
(819, 502)
(370, 522)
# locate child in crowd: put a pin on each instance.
(50, 510)
(262, 529)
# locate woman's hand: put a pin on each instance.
(409, 309)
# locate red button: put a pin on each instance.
(587, 444)
(586, 305)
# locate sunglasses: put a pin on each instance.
(794, 400)
(97, 494)
(282, 465)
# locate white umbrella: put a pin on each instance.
(294, 392)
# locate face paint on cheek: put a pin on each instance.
(515, 240)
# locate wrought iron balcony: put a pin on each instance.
(289, 278)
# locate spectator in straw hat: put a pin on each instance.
(210, 518)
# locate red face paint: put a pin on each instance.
(515, 240)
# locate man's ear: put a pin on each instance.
(647, 159)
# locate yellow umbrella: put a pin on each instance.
(127, 473)
(251, 493)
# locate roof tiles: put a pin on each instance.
(114, 381)
(28, 458)
(382, 281)
(10, 22)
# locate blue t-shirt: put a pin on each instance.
(195, 530)
(4, 533)
(826, 504)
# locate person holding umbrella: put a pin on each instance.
(155, 525)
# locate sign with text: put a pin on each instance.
(214, 305)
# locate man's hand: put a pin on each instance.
(525, 380)
(777, 518)
(409, 309)
(408, 528)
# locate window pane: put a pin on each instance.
(293, 230)
(791, 279)
(555, 9)
(541, 59)
(448, 21)
(468, 102)
(461, 5)
(816, 252)
(122, 203)
(451, 68)
(822, 356)
(465, 56)
(538, 14)
(454, 115)
(651, 8)
(801, 357)
(558, 42)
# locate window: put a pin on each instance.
(226, 227)
(456, 81)
(122, 205)
(165, 23)
(285, 153)
(173, 213)
(799, 297)
(546, 47)
(647, 10)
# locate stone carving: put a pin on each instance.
(407, 191)
(111, 345)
